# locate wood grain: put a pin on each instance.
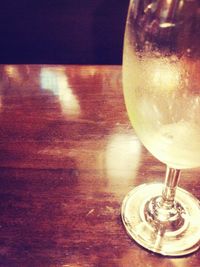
(68, 156)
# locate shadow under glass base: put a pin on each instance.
(182, 241)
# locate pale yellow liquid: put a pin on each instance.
(165, 116)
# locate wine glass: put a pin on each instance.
(161, 80)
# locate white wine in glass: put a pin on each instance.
(161, 79)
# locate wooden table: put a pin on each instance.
(68, 156)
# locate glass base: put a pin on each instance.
(169, 242)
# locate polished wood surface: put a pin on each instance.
(68, 156)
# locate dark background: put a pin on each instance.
(62, 31)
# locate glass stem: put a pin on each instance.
(163, 212)
(169, 191)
